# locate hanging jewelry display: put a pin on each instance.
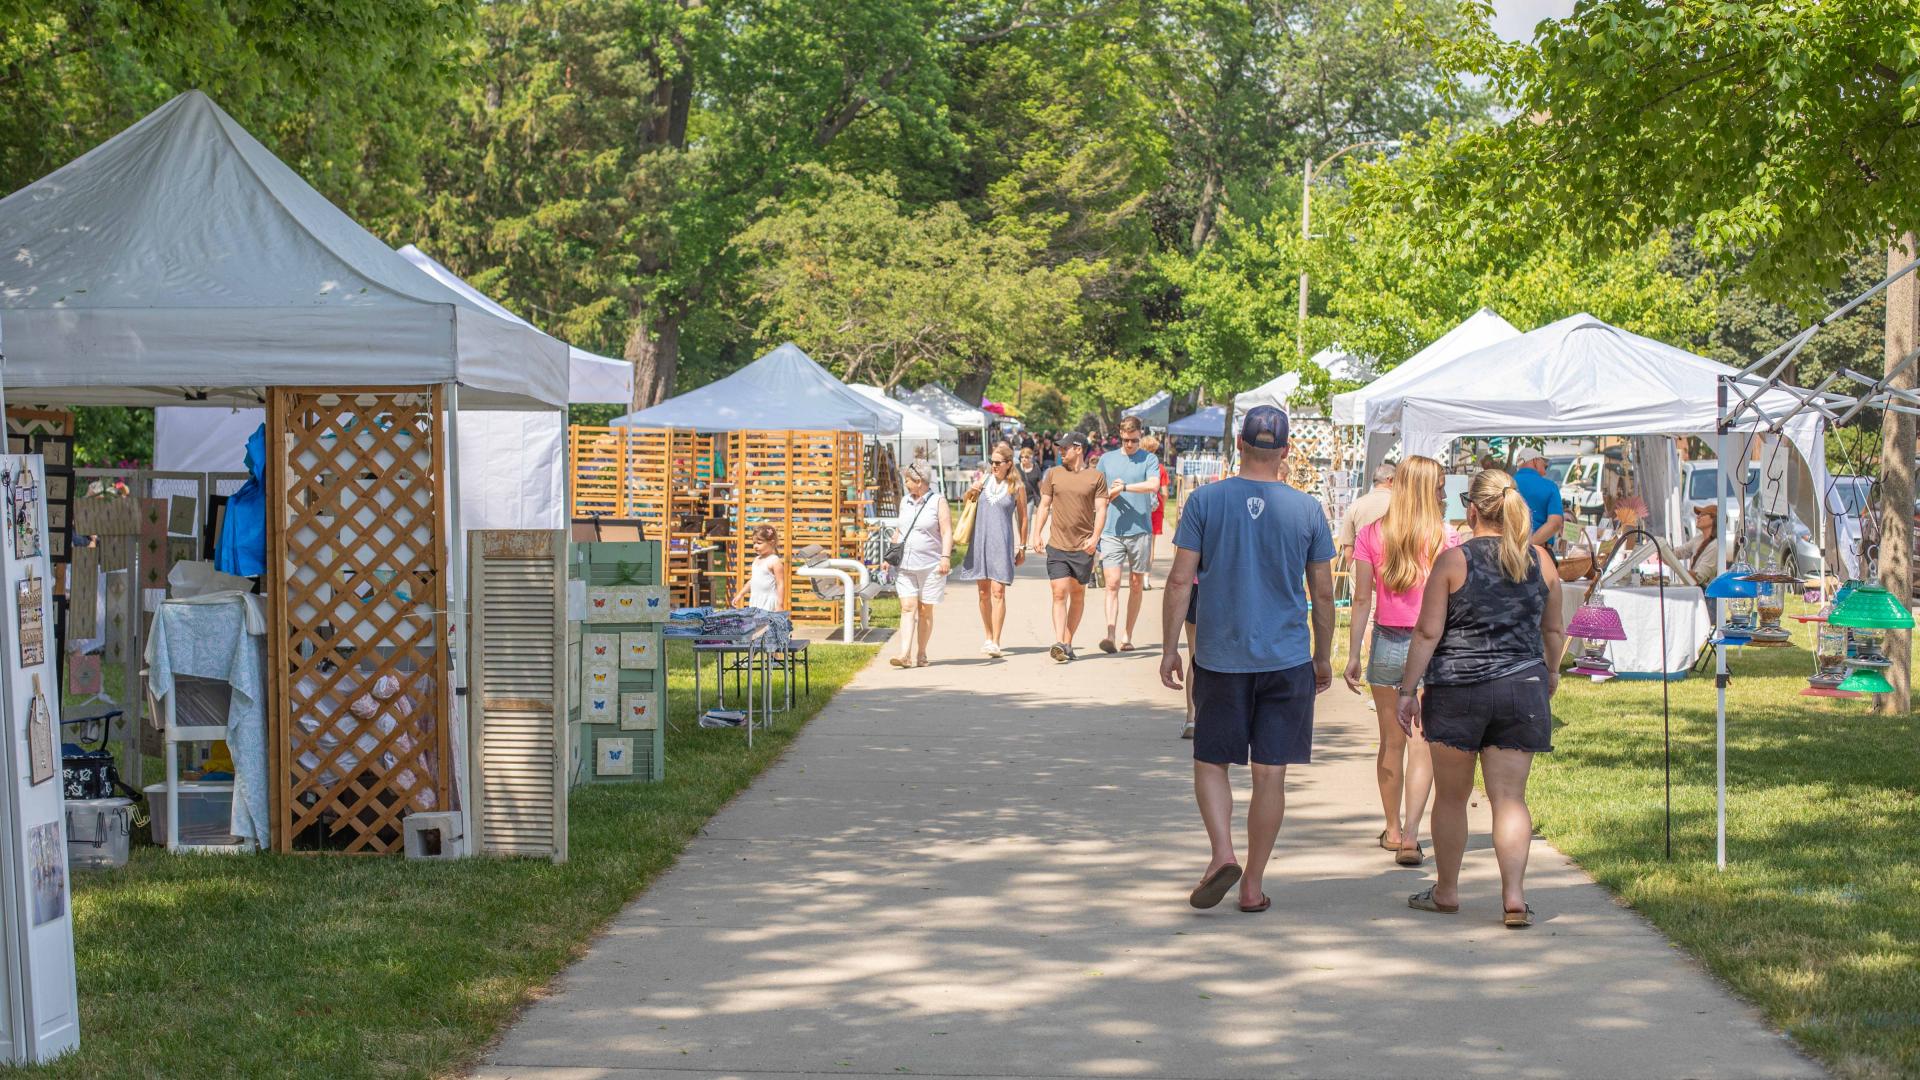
(40, 736)
(31, 621)
(23, 508)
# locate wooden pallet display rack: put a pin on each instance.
(597, 711)
(356, 531)
(807, 485)
(655, 476)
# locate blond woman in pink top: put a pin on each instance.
(1391, 560)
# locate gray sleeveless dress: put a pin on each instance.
(990, 554)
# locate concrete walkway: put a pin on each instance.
(980, 868)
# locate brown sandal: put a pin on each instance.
(1411, 858)
(1519, 920)
(1210, 892)
(1424, 901)
(1265, 903)
(1384, 846)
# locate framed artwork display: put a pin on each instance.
(57, 548)
(31, 624)
(600, 649)
(47, 871)
(59, 487)
(599, 678)
(597, 708)
(40, 759)
(613, 757)
(638, 648)
(83, 674)
(637, 712)
(56, 449)
(181, 519)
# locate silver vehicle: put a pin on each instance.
(1802, 548)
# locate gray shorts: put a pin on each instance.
(1387, 659)
(1133, 554)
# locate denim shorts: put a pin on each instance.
(1387, 659)
(1512, 712)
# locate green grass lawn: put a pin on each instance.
(352, 966)
(1817, 916)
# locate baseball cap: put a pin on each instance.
(1529, 453)
(1265, 428)
(1075, 438)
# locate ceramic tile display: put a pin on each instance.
(599, 678)
(600, 648)
(601, 604)
(637, 712)
(30, 616)
(41, 763)
(613, 757)
(598, 708)
(636, 648)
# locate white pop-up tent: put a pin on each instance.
(1277, 392)
(921, 436)
(512, 462)
(1153, 412)
(971, 422)
(1580, 376)
(1482, 328)
(785, 390)
(180, 261)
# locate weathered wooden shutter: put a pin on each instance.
(517, 692)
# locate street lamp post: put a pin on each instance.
(1306, 226)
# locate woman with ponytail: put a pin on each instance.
(1488, 644)
(1392, 558)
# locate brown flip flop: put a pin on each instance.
(1210, 892)
(1424, 901)
(1106, 645)
(1265, 903)
(1384, 846)
(1519, 920)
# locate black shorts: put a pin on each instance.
(1512, 712)
(1269, 712)
(1062, 563)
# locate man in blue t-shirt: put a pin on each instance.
(1263, 548)
(1126, 545)
(1530, 479)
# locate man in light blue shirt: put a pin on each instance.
(1263, 548)
(1126, 545)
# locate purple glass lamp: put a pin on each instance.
(1596, 624)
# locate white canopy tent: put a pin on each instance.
(921, 436)
(1153, 412)
(512, 462)
(1580, 376)
(1477, 331)
(936, 401)
(785, 390)
(1277, 392)
(180, 261)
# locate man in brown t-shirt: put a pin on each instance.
(1073, 500)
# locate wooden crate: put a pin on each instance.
(809, 485)
(356, 531)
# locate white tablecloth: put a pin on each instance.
(1639, 606)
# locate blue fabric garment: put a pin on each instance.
(242, 548)
(1542, 495)
(1132, 513)
(1255, 540)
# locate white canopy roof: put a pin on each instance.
(914, 424)
(1480, 329)
(784, 390)
(1578, 376)
(935, 400)
(591, 378)
(180, 260)
(1277, 392)
(1154, 411)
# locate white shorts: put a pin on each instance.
(929, 586)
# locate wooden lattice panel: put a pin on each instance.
(656, 477)
(357, 534)
(807, 485)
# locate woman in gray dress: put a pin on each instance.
(1000, 520)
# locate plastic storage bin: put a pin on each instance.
(206, 812)
(97, 833)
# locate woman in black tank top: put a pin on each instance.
(1488, 643)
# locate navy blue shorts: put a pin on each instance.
(1267, 712)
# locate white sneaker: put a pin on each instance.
(989, 647)
(994, 650)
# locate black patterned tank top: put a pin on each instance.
(1493, 622)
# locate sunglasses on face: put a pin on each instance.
(1465, 499)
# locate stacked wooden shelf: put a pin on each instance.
(661, 479)
(809, 486)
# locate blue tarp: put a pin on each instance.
(242, 547)
(1210, 422)
(784, 390)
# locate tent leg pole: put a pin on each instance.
(456, 611)
(1720, 671)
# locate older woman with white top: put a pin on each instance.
(927, 558)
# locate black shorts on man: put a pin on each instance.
(1266, 713)
(1062, 563)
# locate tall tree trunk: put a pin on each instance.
(1896, 472)
(972, 386)
(1203, 219)
(653, 348)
